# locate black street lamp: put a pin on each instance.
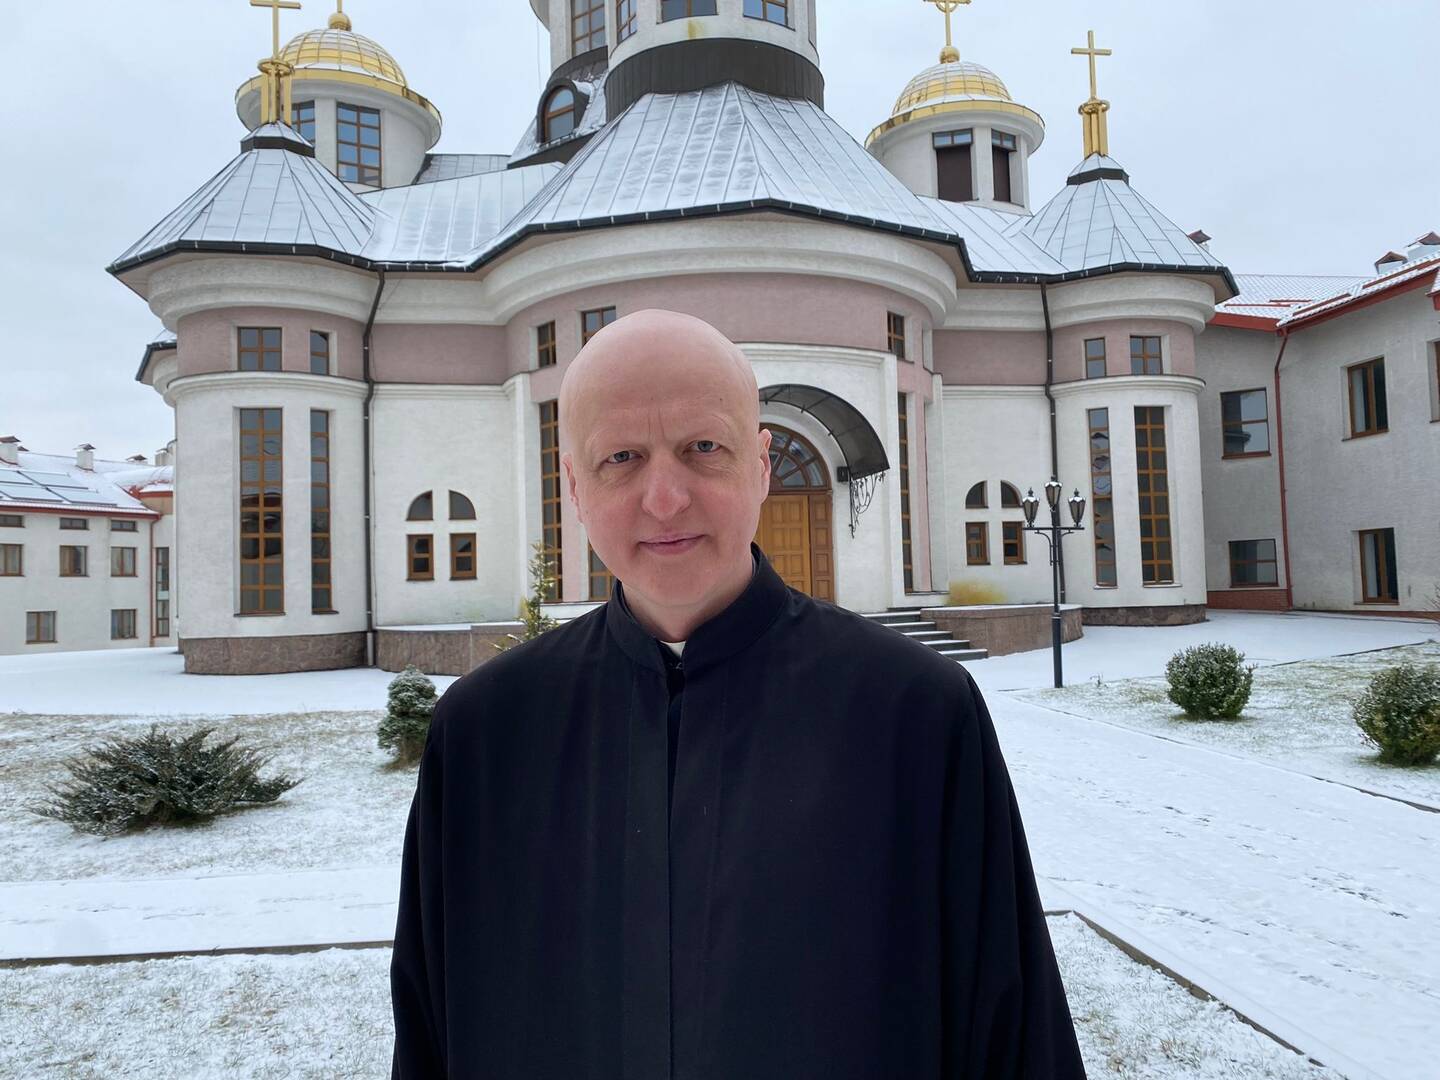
(1052, 533)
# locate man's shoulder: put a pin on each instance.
(843, 635)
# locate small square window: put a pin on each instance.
(12, 563)
(775, 11)
(122, 624)
(259, 348)
(592, 322)
(1145, 358)
(74, 561)
(39, 628)
(122, 562)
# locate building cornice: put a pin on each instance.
(1110, 384)
(329, 385)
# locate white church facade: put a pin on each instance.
(365, 340)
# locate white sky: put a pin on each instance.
(1298, 133)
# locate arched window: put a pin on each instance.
(422, 508)
(1009, 496)
(975, 498)
(558, 119)
(461, 508)
(793, 463)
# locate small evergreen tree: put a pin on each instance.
(1399, 714)
(406, 723)
(1209, 681)
(542, 581)
(130, 783)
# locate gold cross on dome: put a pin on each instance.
(275, 6)
(950, 53)
(1091, 51)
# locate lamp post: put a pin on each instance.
(1053, 533)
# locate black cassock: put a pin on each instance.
(841, 888)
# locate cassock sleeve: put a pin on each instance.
(417, 966)
(1005, 1011)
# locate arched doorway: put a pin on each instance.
(795, 523)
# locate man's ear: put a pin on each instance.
(570, 483)
(765, 437)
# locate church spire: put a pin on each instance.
(949, 54)
(338, 19)
(275, 90)
(1092, 113)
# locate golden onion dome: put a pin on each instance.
(951, 86)
(338, 48)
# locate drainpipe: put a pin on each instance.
(1054, 437)
(1280, 458)
(367, 454)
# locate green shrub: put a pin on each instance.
(130, 783)
(1209, 681)
(1399, 714)
(407, 716)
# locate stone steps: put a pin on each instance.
(911, 623)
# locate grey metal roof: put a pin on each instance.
(454, 166)
(1273, 296)
(993, 240)
(595, 117)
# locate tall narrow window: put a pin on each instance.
(550, 492)
(906, 548)
(1145, 356)
(558, 118)
(122, 562)
(592, 322)
(462, 556)
(953, 172)
(319, 353)
(684, 9)
(122, 624)
(1369, 412)
(1245, 423)
(162, 592)
(322, 600)
(775, 11)
(262, 535)
(259, 348)
(601, 580)
(587, 25)
(12, 560)
(420, 558)
(1252, 562)
(977, 543)
(1002, 146)
(1157, 565)
(895, 334)
(1379, 578)
(74, 561)
(545, 345)
(40, 628)
(302, 118)
(1095, 358)
(1102, 513)
(357, 144)
(624, 19)
(1012, 542)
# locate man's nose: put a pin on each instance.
(667, 488)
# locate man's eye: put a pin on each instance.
(701, 443)
(613, 456)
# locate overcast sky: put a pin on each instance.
(1299, 133)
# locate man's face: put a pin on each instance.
(667, 466)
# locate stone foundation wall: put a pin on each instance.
(1005, 629)
(273, 655)
(1248, 599)
(1158, 615)
(441, 652)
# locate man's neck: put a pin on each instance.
(677, 628)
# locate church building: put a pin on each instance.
(365, 338)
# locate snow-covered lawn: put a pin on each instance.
(327, 1014)
(1298, 717)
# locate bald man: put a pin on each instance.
(714, 828)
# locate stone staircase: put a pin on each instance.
(912, 623)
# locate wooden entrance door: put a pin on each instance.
(794, 529)
(784, 536)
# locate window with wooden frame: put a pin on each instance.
(12, 521)
(319, 352)
(122, 525)
(1102, 507)
(975, 498)
(40, 628)
(977, 543)
(550, 494)
(422, 507)
(1009, 496)
(122, 562)
(162, 618)
(895, 334)
(461, 508)
(259, 348)
(774, 11)
(954, 172)
(322, 580)
(12, 560)
(462, 556)
(74, 523)
(1145, 355)
(74, 561)
(906, 546)
(1012, 542)
(162, 592)
(357, 144)
(625, 22)
(1002, 147)
(685, 9)
(1379, 577)
(1252, 564)
(1369, 411)
(302, 118)
(1095, 358)
(1244, 423)
(262, 531)
(545, 354)
(557, 118)
(419, 558)
(592, 322)
(587, 25)
(1157, 566)
(122, 624)
(602, 581)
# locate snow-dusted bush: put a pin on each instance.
(1209, 681)
(1399, 714)
(407, 716)
(157, 778)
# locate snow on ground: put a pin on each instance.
(328, 1014)
(1298, 717)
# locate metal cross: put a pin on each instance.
(1090, 51)
(947, 6)
(275, 6)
